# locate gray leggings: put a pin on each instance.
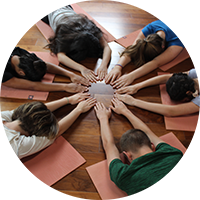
(57, 12)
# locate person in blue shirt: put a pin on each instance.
(154, 46)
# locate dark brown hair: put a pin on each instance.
(78, 38)
(36, 119)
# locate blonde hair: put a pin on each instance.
(36, 119)
(144, 50)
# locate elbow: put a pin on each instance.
(110, 50)
(170, 112)
(61, 57)
(105, 145)
(32, 86)
(155, 63)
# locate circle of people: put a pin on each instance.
(32, 126)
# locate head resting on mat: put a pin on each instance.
(135, 143)
(36, 119)
(180, 87)
(145, 50)
(77, 37)
(29, 66)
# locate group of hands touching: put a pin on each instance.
(114, 78)
(86, 102)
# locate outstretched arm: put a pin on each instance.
(168, 55)
(102, 69)
(132, 89)
(103, 115)
(166, 110)
(24, 84)
(120, 108)
(74, 99)
(67, 121)
(87, 73)
(55, 69)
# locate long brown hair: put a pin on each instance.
(144, 50)
(78, 38)
(36, 119)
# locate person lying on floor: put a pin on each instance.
(32, 126)
(146, 166)
(181, 87)
(25, 70)
(76, 38)
(154, 46)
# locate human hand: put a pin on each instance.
(124, 80)
(90, 75)
(114, 74)
(101, 72)
(76, 98)
(86, 105)
(132, 89)
(118, 106)
(126, 98)
(74, 88)
(102, 112)
(78, 79)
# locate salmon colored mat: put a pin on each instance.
(181, 57)
(28, 94)
(99, 172)
(128, 39)
(47, 31)
(55, 162)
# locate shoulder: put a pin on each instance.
(7, 115)
(32, 144)
(7, 75)
(115, 166)
(166, 148)
(153, 27)
(117, 170)
(192, 73)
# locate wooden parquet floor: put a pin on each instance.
(84, 135)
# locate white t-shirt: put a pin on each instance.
(21, 144)
(60, 17)
(193, 74)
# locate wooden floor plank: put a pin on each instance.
(83, 195)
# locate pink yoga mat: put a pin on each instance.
(181, 57)
(55, 162)
(128, 39)
(99, 172)
(47, 31)
(8, 92)
(182, 123)
(100, 176)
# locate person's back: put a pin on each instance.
(30, 128)
(146, 170)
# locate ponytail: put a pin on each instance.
(144, 50)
